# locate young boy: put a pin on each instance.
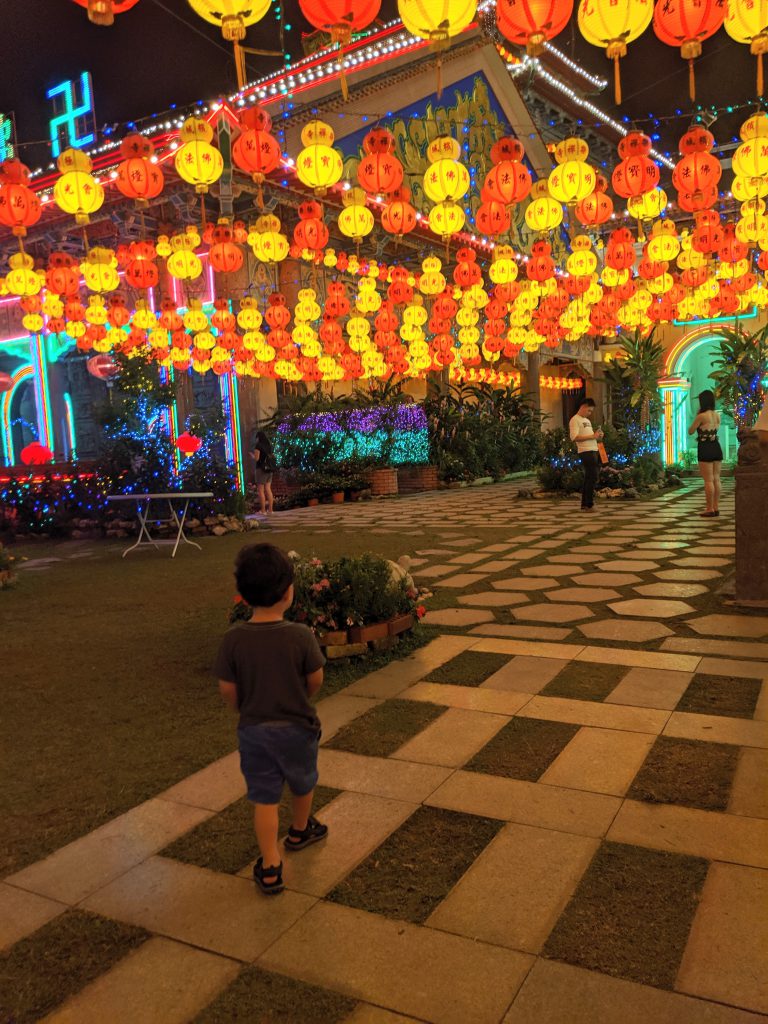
(268, 669)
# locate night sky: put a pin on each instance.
(161, 53)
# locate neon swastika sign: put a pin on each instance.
(74, 120)
(7, 134)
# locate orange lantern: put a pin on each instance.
(687, 23)
(256, 151)
(636, 173)
(102, 12)
(379, 172)
(225, 256)
(398, 217)
(19, 206)
(311, 232)
(530, 23)
(137, 177)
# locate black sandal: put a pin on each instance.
(313, 833)
(268, 888)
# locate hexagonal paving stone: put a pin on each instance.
(687, 575)
(632, 631)
(699, 561)
(671, 589)
(610, 579)
(583, 594)
(572, 557)
(524, 583)
(730, 625)
(457, 617)
(549, 570)
(626, 565)
(492, 599)
(667, 545)
(553, 612)
(650, 608)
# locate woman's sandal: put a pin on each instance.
(275, 885)
(313, 833)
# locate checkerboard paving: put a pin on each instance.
(595, 773)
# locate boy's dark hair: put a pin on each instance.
(263, 573)
(706, 401)
(588, 401)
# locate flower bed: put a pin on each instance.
(350, 602)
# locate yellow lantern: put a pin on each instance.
(543, 214)
(573, 179)
(196, 160)
(21, 279)
(231, 16)
(613, 25)
(432, 281)
(446, 219)
(664, 244)
(319, 165)
(269, 245)
(744, 189)
(445, 178)
(99, 269)
(745, 21)
(436, 20)
(355, 220)
(195, 319)
(77, 192)
(649, 205)
(751, 159)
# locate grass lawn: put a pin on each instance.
(108, 696)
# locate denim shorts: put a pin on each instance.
(271, 755)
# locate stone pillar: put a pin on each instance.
(533, 384)
(751, 503)
(599, 389)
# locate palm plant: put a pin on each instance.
(634, 380)
(739, 371)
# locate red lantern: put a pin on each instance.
(225, 257)
(102, 12)
(697, 173)
(530, 23)
(398, 217)
(594, 210)
(102, 366)
(379, 172)
(255, 150)
(19, 206)
(687, 23)
(36, 454)
(311, 232)
(492, 218)
(62, 276)
(137, 177)
(340, 18)
(6, 382)
(188, 443)
(634, 176)
(508, 182)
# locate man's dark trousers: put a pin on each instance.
(589, 461)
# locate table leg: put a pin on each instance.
(180, 524)
(142, 514)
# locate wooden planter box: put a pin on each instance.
(400, 624)
(383, 481)
(311, 502)
(416, 478)
(337, 498)
(365, 634)
(336, 638)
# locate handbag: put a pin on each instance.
(602, 453)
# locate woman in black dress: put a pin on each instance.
(705, 426)
(265, 467)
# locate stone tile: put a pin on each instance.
(452, 739)
(549, 543)
(518, 908)
(528, 803)
(603, 716)
(161, 982)
(709, 834)
(599, 760)
(749, 790)
(717, 729)
(433, 572)
(594, 594)
(462, 542)
(492, 599)
(523, 632)
(463, 579)
(730, 625)
(468, 558)
(214, 787)
(713, 549)
(400, 966)
(687, 575)
(434, 552)
(701, 561)
(606, 579)
(494, 548)
(728, 667)
(631, 631)
(524, 583)
(498, 564)
(651, 608)
(397, 675)
(727, 951)
(457, 617)
(631, 565)
(471, 698)
(357, 824)
(533, 649)
(380, 776)
(671, 590)
(576, 557)
(85, 865)
(639, 659)
(556, 993)
(553, 612)
(214, 911)
(548, 570)
(650, 688)
(340, 709)
(598, 549)
(655, 554)
(525, 674)
(664, 545)
(22, 913)
(732, 648)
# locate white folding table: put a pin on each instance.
(143, 503)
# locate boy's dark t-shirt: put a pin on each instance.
(268, 662)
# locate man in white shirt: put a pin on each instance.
(586, 437)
